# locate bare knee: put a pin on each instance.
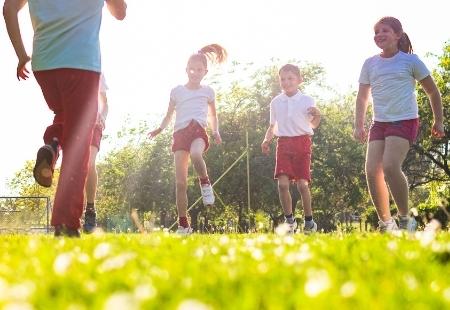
(303, 186)
(390, 169)
(283, 185)
(372, 171)
(181, 186)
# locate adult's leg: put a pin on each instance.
(378, 190)
(395, 151)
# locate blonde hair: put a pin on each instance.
(214, 52)
(291, 68)
(403, 44)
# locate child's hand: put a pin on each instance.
(217, 137)
(265, 147)
(313, 112)
(437, 130)
(154, 133)
(360, 134)
(22, 71)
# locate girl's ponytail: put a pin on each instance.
(404, 44)
(214, 52)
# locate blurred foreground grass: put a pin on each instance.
(260, 271)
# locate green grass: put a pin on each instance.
(260, 271)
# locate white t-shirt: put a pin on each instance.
(191, 104)
(392, 82)
(290, 115)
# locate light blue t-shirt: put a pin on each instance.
(392, 82)
(66, 34)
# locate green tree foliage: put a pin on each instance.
(428, 160)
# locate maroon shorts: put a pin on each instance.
(407, 129)
(97, 136)
(183, 138)
(294, 158)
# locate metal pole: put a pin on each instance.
(248, 172)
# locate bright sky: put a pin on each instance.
(145, 55)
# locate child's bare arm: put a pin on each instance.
(265, 145)
(214, 121)
(436, 105)
(10, 10)
(315, 117)
(362, 100)
(166, 120)
(117, 8)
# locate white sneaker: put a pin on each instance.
(207, 194)
(184, 231)
(307, 230)
(291, 228)
(390, 226)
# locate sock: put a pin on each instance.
(90, 207)
(289, 218)
(308, 218)
(54, 144)
(389, 221)
(183, 221)
(204, 181)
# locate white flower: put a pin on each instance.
(318, 282)
(121, 301)
(192, 304)
(62, 263)
(102, 250)
(348, 289)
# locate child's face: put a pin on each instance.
(196, 71)
(385, 37)
(289, 82)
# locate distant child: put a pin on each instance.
(90, 215)
(66, 64)
(193, 104)
(391, 78)
(293, 116)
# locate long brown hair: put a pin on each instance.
(404, 44)
(214, 52)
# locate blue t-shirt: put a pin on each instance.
(66, 34)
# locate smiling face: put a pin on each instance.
(289, 82)
(386, 38)
(196, 71)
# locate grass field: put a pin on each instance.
(260, 271)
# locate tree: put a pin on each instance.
(428, 159)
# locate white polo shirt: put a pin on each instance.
(290, 115)
(191, 104)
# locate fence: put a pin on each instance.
(25, 214)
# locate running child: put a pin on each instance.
(194, 105)
(90, 215)
(66, 64)
(293, 116)
(391, 78)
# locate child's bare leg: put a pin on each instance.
(303, 189)
(375, 179)
(395, 152)
(92, 178)
(197, 149)
(181, 173)
(284, 194)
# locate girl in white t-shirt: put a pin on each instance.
(390, 77)
(193, 104)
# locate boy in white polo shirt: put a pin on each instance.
(293, 116)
